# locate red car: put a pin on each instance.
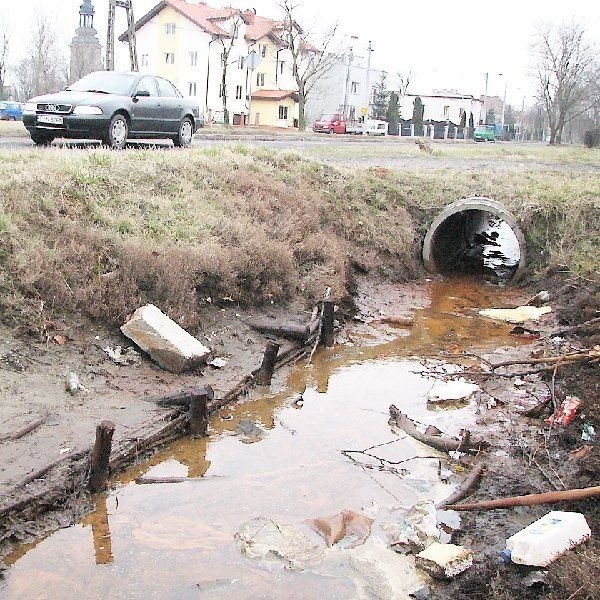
(333, 123)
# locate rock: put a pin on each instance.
(168, 344)
(251, 432)
(444, 561)
(422, 518)
(451, 390)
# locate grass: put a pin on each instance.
(12, 129)
(103, 232)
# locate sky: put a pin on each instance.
(445, 45)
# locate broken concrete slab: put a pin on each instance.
(444, 561)
(451, 390)
(168, 344)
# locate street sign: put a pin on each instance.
(253, 60)
(363, 111)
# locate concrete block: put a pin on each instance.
(169, 345)
(444, 561)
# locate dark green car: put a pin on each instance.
(485, 133)
(113, 107)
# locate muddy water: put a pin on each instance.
(177, 540)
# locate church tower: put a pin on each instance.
(86, 52)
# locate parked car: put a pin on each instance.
(330, 123)
(113, 107)
(484, 133)
(11, 111)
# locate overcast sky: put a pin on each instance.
(446, 45)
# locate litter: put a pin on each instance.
(451, 390)
(128, 357)
(218, 363)
(73, 385)
(516, 315)
(265, 538)
(444, 561)
(566, 412)
(542, 542)
(349, 527)
(539, 299)
(588, 433)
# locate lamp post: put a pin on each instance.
(369, 52)
(347, 91)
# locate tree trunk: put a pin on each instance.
(301, 109)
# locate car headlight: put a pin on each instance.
(87, 110)
(30, 107)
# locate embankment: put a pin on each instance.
(102, 232)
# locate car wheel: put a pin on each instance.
(39, 139)
(118, 130)
(184, 137)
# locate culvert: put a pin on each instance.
(456, 239)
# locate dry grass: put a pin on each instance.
(102, 232)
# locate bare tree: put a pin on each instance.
(566, 70)
(4, 47)
(44, 69)
(227, 44)
(309, 62)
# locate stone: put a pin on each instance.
(444, 561)
(168, 344)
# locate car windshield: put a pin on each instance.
(326, 118)
(105, 82)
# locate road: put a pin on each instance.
(390, 153)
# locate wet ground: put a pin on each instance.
(178, 540)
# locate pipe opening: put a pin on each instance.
(476, 236)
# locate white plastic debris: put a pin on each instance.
(546, 539)
(122, 357)
(516, 315)
(218, 363)
(168, 344)
(451, 390)
(444, 561)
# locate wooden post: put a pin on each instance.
(199, 412)
(327, 328)
(101, 456)
(267, 367)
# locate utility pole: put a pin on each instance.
(369, 52)
(347, 92)
(110, 41)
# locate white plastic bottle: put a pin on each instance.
(547, 538)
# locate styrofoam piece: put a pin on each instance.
(546, 539)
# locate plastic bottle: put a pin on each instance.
(546, 539)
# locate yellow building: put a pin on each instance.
(274, 108)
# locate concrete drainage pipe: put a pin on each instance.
(448, 236)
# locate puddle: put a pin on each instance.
(177, 540)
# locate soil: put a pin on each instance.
(526, 455)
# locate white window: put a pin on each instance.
(260, 79)
(193, 59)
(283, 113)
(241, 62)
(170, 28)
(354, 87)
(169, 58)
(238, 92)
(192, 88)
(262, 49)
(145, 60)
(446, 113)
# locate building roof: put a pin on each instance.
(446, 96)
(275, 95)
(202, 15)
(260, 27)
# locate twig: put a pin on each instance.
(22, 431)
(573, 357)
(320, 328)
(467, 488)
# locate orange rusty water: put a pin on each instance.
(176, 541)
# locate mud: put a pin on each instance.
(290, 471)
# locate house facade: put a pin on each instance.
(444, 106)
(347, 79)
(204, 51)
